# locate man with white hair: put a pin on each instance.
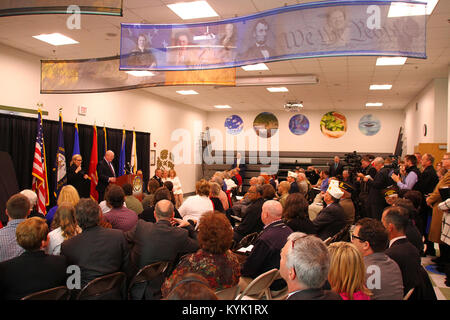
(375, 199)
(303, 183)
(304, 265)
(332, 218)
(32, 197)
(105, 173)
(265, 254)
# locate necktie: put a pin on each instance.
(112, 168)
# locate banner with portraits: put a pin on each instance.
(103, 75)
(23, 7)
(315, 29)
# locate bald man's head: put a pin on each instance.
(271, 211)
(109, 155)
(164, 210)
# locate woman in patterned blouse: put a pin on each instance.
(213, 260)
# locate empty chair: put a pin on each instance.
(58, 293)
(260, 286)
(138, 288)
(246, 241)
(108, 287)
(228, 293)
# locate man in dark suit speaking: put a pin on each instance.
(105, 173)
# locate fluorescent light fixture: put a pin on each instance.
(277, 89)
(381, 87)
(391, 61)
(187, 92)
(222, 107)
(193, 10)
(255, 67)
(141, 73)
(399, 9)
(374, 104)
(276, 81)
(55, 39)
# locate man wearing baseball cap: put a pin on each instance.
(332, 218)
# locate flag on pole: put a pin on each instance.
(106, 140)
(133, 155)
(59, 167)
(39, 172)
(122, 157)
(93, 167)
(76, 142)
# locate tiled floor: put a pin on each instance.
(437, 279)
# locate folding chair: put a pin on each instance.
(108, 287)
(147, 274)
(228, 293)
(407, 295)
(259, 286)
(58, 293)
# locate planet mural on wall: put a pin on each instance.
(299, 124)
(369, 125)
(333, 124)
(234, 124)
(265, 124)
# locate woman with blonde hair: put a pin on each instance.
(67, 194)
(177, 191)
(347, 272)
(64, 227)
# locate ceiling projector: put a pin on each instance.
(293, 106)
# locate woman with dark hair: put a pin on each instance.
(411, 231)
(162, 193)
(268, 192)
(169, 185)
(149, 199)
(214, 196)
(295, 214)
(213, 260)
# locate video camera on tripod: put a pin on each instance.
(395, 168)
(353, 161)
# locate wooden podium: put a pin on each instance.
(135, 180)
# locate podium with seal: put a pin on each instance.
(135, 180)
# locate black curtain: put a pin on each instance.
(18, 138)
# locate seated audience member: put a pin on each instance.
(69, 194)
(214, 196)
(131, 201)
(312, 175)
(325, 175)
(222, 196)
(303, 184)
(395, 220)
(169, 185)
(104, 205)
(191, 286)
(292, 179)
(441, 173)
(347, 275)
(265, 254)
(160, 241)
(64, 226)
(237, 178)
(252, 220)
(304, 264)
(295, 214)
(274, 181)
(32, 197)
(17, 210)
(149, 199)
(346, 201)
(33, 270)
(268, 192)
(97, 251)
(193, 208)
(120, 217)
(412, 233)
(316, 206)
(391, 194)
(331, 219)
(162, 193)
(283, 192)
(228, 181)
(213, 260)
(383, 275)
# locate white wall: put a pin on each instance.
(138, 109)
(313, 140)
(428, 107)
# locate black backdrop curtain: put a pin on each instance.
(18, 138)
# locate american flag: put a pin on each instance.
(39, 173)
